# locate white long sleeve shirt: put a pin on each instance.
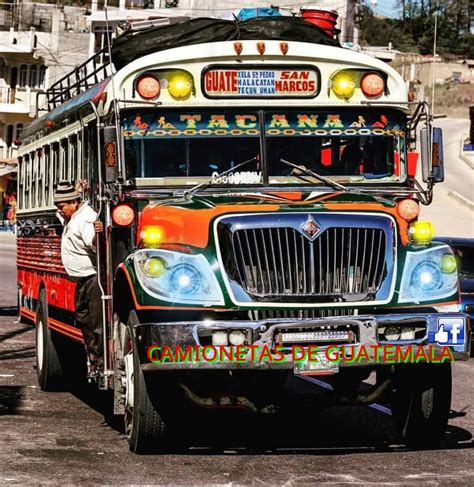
(78, 252)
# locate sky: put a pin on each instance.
(387, 8)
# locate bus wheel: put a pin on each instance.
(421, 401)
(144, 426)
(48, 366)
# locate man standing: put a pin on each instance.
(78, 254)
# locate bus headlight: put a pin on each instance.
(427, 275)
(177, 278)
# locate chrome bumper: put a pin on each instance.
(263, 332)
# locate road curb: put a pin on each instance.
(468, 160)
(459, 198)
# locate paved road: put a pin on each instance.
(458, 175)
(450, 218)
(71, 438)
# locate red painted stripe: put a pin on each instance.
(67, 330)
(28, 313)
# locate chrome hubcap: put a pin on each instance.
(39, 344)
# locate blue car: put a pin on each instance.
(463, 249)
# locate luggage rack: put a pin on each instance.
(97, 68)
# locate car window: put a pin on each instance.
(465, 259)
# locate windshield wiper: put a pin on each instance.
(191, 191)
(323, 179)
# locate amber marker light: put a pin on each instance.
(408, 209)
(180, 85)
(148, 87)
(152, 235)
(372, 85)
(343, 85)
(123, 215)
(421, 232)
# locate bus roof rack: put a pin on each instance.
(81, 78)
(136, 25)
(131, 45)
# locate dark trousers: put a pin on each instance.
(88, 305)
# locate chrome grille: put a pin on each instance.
(283, 264)
(267, 314)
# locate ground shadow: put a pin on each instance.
(4, 336)
(345, 430)
(11, 398)
(8, 311)
(19, 353)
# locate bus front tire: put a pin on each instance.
(421, 402)
(144, 427)
(48, 365)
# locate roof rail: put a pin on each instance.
(80, 79)
(137, 25)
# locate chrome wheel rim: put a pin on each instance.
(129, 391)
(39, 344)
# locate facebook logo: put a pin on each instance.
(451, 331)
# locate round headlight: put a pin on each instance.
(426, 277)
(153, 266)
(185, 279)
(448, 263)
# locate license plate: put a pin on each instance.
(321, 366)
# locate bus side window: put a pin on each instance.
(34, 179)
(40, 185)
(21, 182)
(27, 178)
(79, 156)
(48, 194)
(55, 164)
(72, 159)
(63, 160)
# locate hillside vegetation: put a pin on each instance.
(414, 31)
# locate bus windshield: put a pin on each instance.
(186, 147)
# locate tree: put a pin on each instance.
(415, 30)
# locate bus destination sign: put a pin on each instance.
(301, 82)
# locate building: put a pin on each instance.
(39, 43)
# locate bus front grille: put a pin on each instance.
(282, 264)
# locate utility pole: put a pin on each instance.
(16, 14)
(351, 30)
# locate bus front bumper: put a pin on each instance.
(279, 344)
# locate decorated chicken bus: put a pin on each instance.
(257, 186)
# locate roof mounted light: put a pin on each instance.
(372, 85)
(343, 84)
(148, 87)
(180, 85)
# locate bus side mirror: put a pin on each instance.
(434, 169)
(438, 156)
(110, 154)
